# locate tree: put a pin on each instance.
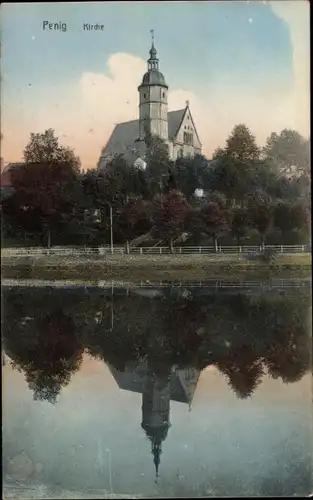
(43, 192)
(214, 217)
(133, 219)
(225, 176)
(241, 145)
(187, 176)
(260, 207)
(291, 216)
(216, 197)
(232, 168)
(240, 223)
(45, 148)
(44, 185)
(169, 216)
(193, 223)
(105, 189)
(288, 151)
(159, 167)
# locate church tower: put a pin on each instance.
(153, 100)
(156, 399)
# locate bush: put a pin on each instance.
(268, 255)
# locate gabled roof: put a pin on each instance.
(122, 140)
(183, 116)
(6, 184)
(124, 136)
(133, 380)
(174, 120)
(11, 166)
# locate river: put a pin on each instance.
(162, 390)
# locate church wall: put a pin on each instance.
(153, 104)
(157, 93)
(156, 403)
(187, 150)
(171, 150)
(187, 126)
(158, 117)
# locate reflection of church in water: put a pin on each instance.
(158, 388)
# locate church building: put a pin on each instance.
(176, 128)
(158, 390)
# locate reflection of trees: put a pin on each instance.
(44, 346)
(124, 339)
(289, 356)
(243, 370)
(55, 359)
(45, 333)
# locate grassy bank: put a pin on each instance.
(148, 267)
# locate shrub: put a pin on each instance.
(268, 255)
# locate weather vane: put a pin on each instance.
(152, 35)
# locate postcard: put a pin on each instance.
(156, 249)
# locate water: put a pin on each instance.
(158, 391)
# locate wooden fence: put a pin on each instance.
(119, 250)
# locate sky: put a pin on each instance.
(236, 62)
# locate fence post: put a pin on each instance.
(281, 248)
(140, 250)
(160, 250)
(302, 248)
(179, 249)
(199, 249)
(240, 249)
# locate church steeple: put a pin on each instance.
(156, 398)
(156, 450)
(153, 61)
(153, 99)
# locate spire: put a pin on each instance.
(153, 61)
(156, 449)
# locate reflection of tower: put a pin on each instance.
(156, 399)
(157, 389)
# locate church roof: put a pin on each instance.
(124, 135)
(174, 121)
(133, 381)
(153, 78)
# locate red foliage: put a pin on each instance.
(170, 213)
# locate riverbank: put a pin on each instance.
(150, 267)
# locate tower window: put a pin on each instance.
(144, 96)
(163, 94)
